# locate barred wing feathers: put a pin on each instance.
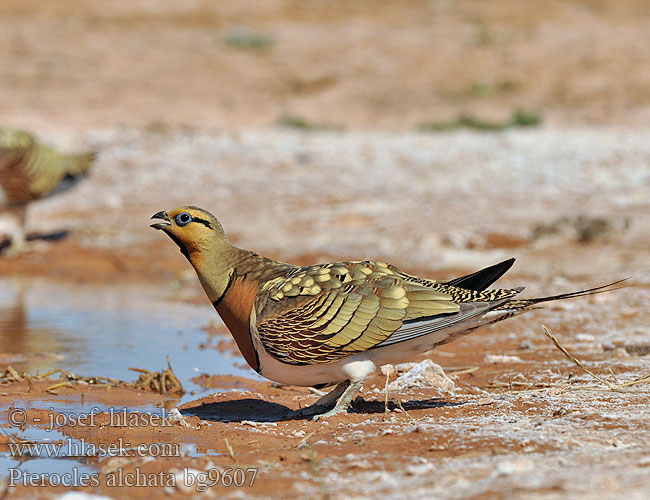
(321, 313)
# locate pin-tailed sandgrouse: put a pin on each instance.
(333, 323)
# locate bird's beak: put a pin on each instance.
(161, 225)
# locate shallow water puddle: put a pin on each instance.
(96, 330)
(47, 451)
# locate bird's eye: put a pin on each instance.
(183, 219)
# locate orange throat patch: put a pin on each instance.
(235, 308)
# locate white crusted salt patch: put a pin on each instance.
(621, 352)
(388, 370)
(421, 469)
(420, 375)
(402, 367)
(502, 358)
(80, 495)
(175, 417)
(509, 467)
(186, 478)
(356, 461)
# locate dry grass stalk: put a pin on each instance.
(304, 440)
(51, 388)
(318, 392)
(230, 451)
(397, 401)
(461, 370)
(618, 387)
(399, 404)
(11, 375)
(511, 384)
(165, 382)
(386, 392)
(444, 353)
(576, 361)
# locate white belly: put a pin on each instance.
(335, 371)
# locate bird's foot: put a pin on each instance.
(325, 403)
(17, 245)
(14, 251)
(347, 391)
(312, 411)
(334, 411)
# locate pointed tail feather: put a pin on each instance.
(482, 279)
(519, 304)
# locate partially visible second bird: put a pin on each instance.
(30, 171)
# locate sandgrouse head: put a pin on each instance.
(191, 228)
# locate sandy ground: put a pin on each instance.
(182, 104)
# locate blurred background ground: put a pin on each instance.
(440, 136)
(80, 65)
(333, 127)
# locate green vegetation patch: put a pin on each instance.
(519, 118)
(242, 38)
(301, 123)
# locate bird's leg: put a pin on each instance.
(18, 239)
(344, 401)
(357, 371)
(327, 402)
